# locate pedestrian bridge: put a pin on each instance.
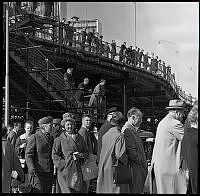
(40, 54)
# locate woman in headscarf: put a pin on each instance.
(111, 140)
(68, 153)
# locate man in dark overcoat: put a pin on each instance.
(104, 128)
(38, 157)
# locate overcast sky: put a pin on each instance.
(172, 22)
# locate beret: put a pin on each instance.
(56, 121)
(64, 120)
(45, 120)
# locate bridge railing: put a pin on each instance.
(63, 36)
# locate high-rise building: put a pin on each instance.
(89, 24)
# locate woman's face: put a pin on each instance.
(28, 128)
(69, 126)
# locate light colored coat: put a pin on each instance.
(105, 176)
(166, 153)
(10, 162)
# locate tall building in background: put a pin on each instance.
(89, 24)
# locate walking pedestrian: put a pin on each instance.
(38, 157)
(98, 94)
(113, 143)
(166, 153)
(57, 128)
(135, 151)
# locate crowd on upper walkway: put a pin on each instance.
(91, 41)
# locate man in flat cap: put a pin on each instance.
(104, 128)
(166, 152)
(38, 157)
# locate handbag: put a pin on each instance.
(89, 168)
(122, 174)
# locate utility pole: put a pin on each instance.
(7, 71)
(135, 24)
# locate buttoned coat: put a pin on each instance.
(38, 157)
(136, 158)
(166, 153)
(62, 154)
(38, 153)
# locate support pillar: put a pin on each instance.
(153, 117)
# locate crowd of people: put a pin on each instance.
(53, 155)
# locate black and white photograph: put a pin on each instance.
(100, 97)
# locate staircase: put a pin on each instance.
(44, 72)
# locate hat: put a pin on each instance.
(102, 80)
(45, 120)
(176, 104)
(112, 109)
(117, 118)
(68, 114)
(67, 119)
(56, 121)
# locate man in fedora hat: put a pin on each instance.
(166, 152)
(104, 128)
(38, 157)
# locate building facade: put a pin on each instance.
(88, 24)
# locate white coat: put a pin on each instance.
(166, 153)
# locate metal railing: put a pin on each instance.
(61, 35)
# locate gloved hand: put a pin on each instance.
(32, 172)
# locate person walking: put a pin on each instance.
(38, 157)
(68, 153)
(134, 150)
(83, 89)
(113, 143)
(166, 152)
(104, 128)
(10, 163)
(98, 94)
(189, 148)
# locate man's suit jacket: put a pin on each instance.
(38, 153)
(86, 136)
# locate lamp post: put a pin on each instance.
(177, 51)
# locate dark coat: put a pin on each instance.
(38, 153)
(62, 154)
(104, 128)
(10, 162)
(189, 150)
(86, 136)
(12, 137)
(136, 158)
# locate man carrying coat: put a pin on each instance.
(166, 152)
(38, 157)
